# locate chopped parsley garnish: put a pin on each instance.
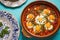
(1, 24)
(4, 31)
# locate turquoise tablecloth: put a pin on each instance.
(17, 13)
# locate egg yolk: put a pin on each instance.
(51, 17)
(38, 27)
(40, 19)
(29, 24)
(46, 11)
(30, 16)
(48, 25)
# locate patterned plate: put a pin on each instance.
(10, 20)
(13, 4)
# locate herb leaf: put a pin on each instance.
(1, 24)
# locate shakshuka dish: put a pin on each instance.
(40, 19)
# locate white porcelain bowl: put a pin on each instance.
(13, 4)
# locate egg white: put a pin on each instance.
(44, 14)
(50, 20)
(34, 29)
(29, 15)
(51, 27)
(29, 26)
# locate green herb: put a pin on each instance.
(1, 35)
(4, 31)
(6, 27)
(1, 24)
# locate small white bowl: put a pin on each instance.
(13, 4)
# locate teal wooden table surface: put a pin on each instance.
(17, 13)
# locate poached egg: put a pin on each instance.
(40, 19)
(48, 26)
